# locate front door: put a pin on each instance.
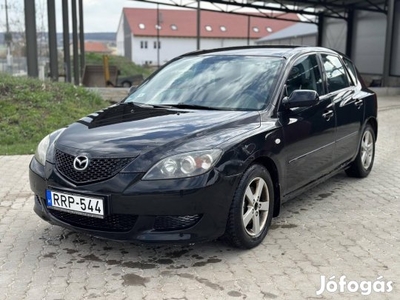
(309, 133)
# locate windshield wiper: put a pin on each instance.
(177, 105)
(194, 106)
(146, 105)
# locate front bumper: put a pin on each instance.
(185, 210)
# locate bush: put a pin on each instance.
(126, 67)
(30, 109)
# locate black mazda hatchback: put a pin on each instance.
(210, 145)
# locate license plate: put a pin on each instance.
(82, 205)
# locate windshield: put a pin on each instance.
(212, 82)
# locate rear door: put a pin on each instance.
(349, 109)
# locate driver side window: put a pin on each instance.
(305, 75)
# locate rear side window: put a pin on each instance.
(352, 69)
(336, 75)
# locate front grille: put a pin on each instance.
(98, 169)
(115, 223)
(166, 223)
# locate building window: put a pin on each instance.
(141, 26)
(208, 28)
(255, 29)
(155, 45)
(143, 44)
(158, 27)
(223, 28)
(174, 27)
(269, 29)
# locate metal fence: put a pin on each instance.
(17, 66)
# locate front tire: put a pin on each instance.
(251, 210)
(362, 165)
(126, 84)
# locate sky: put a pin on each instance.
(102, 15)
(99, 15)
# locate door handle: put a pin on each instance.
(359, 103)
(328, 115)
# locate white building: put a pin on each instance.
(137, 33)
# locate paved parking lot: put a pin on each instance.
(344, 227)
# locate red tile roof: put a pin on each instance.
(96, 47)
(143, 21)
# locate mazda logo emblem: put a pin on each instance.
(81, 163)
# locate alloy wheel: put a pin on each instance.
(367, 149)
(255, 206)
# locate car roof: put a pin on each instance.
(284, 51)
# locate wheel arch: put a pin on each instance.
(270, 165)
(374, 124)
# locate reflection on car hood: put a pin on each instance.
(123, 128)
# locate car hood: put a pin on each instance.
(130, 130)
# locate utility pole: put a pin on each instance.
(75, 49)
(158, 37)
(67, 58)
(7, 24)
(8, 40)
(31, 39)
(81, 38)
(388, 42)
(51, 13)
(198, 24)
(248, 30)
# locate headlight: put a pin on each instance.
(41, 150)
(44, 145)
(184, 165)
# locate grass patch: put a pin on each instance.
(30, 109)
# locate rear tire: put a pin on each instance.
(362, 165)
(251, 210)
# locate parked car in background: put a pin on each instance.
(210, 145)
(128, 81)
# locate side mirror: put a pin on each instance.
(301, 98)
(131, 90)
